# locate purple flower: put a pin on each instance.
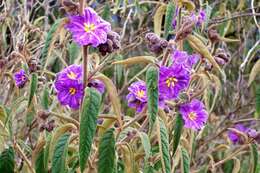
(137, 97)
(201, 17)
(89, 29)
(98, 85)
(183, 59)
(70, 93)
(194, 114)
(69, 86)
(71, 73)
(172, 80)
(20, 78)
(236, 138)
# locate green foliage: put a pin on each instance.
(168, 19)
(33, 88)
(164, 146)
(45, 98)
(7, 161)
(74, 51)
(257, 101)
(39, 163)
(90, 110)
(185, 161)
(49, 40)
(255, 158)
(60, 155)
(152, 94)
(106, 156)
(177, 132)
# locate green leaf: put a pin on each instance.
(74, 51)
(45, 98)
(49, 40)
(7, 161)
(46, 150)
(106, 13)
(90, 110)
(33, 87)
(39, 163)
(168, 19)
(177, 132)
(254, 156)
(152, 93)
(119, 71)
(106, 156)
(60, 155)
(257, 102)
(164, 146)
(185, 162)
(146, 144)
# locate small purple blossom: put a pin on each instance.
(89, 29)
(194, 114)
(137, 97)
(71, 73)
(70, 93)
(236, 138)
(69, 86)
(20, 78)
(183, 59)
(98, 85)
(201, 17)
(172, 80)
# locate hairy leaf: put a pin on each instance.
(45, 98)
(177, 132)
(51, 36)
(254, 72)
(60, 155)
(7, 161)
(185, 162)
(164, 146)
(89, 113)
(152, 94)
(158, 17)
(168, 19)
(106, 156)
(136, 60)
(33, 87)
(255, 157)
(39, 163)
(257, 101)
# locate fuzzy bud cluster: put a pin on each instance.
(44, 123)
(112, 44)
(155, 43)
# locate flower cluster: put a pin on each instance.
(236, 137)
(172, 81)
(20, 78)
(69, 86)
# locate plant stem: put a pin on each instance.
(85, 49)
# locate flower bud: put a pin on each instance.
(112, 44)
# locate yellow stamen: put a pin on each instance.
(140, 93)
(72, 91)
(171, 81)
(192, 116)
(89, 27)
(72, 75)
